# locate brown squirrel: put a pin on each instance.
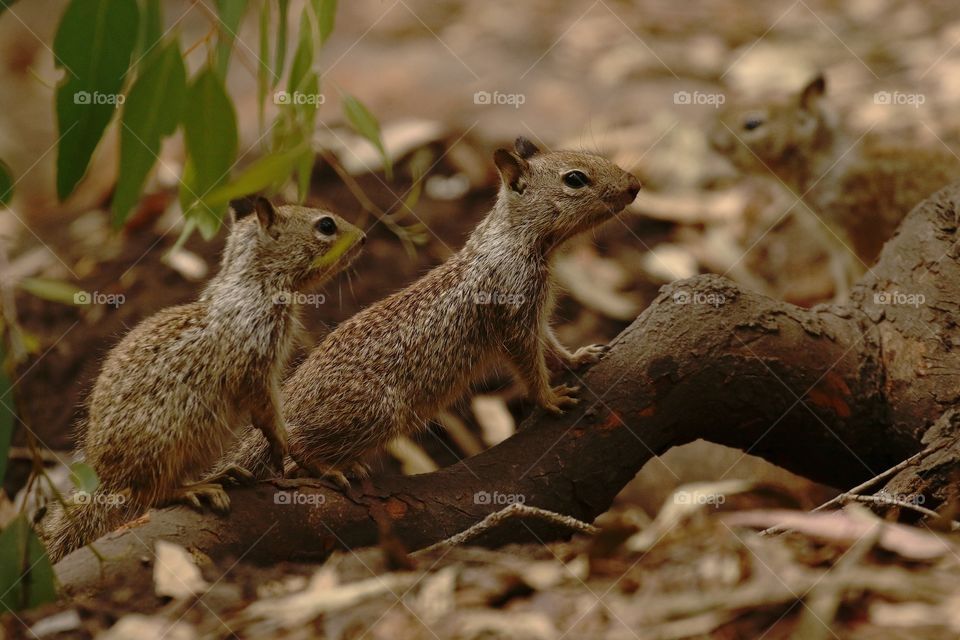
(861, 188)
(387, 370)
(178, 387)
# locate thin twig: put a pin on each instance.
(915, 458)
(847, 495)
(368, 205)
(515, 510)
(898, 502)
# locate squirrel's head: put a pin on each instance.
(782, 135)
(297, 246)
(561, 193)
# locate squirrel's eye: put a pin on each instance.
(326, 226)
(575, 179)
(752, 123)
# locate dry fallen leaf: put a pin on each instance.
(136, 626)
(841, 526)
(496, 421)
(595, 282)
(324, 595)
(175, 575)
(412, 457)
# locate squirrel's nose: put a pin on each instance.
(633, 186)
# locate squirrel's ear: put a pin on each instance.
(512, 169)
(813, 92)
(525, 148)
(266, 214)
(242, 207)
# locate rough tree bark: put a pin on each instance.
(835, 393)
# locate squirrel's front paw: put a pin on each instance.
(588, 355)
(561, 397)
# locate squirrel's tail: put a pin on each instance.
(87, 517)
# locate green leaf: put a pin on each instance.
(230, 13)
(304, 173)
(151, 113)
(263, 66)
(6, 184)
(419, 165)
(7, 413)
(303, 57)
(326, 11)
(151, 30)
(93, 45)
(52, 290)
(270, 171)
(26, 576)
(364, 123)
(83, 477)
(280, 59)
(210, 124)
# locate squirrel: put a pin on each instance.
(177, 389)
(861, 188)
(387, 370)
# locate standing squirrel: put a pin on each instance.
(175, 391)
(387, 370)
(861, 188)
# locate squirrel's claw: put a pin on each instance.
(212, 493)
(562, 396)
(588, 355)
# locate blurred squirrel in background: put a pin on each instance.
(861, 188)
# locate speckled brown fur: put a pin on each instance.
(862, 187)
(173, 393)
(387, 370)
